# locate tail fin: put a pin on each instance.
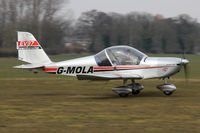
(29, 50)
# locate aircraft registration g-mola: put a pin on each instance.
(117, 62)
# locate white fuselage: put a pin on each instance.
(149, 67)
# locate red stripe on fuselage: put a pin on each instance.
(140, 67)
(103, 68)
(49, 69)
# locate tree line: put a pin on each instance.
(53, 27)
(152, 34)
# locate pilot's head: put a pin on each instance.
(128, 52)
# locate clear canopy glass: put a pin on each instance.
(119, 55)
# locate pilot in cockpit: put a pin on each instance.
(129, 58)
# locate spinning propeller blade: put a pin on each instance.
(184, 64)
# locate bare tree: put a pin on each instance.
(41, 17)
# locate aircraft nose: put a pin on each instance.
(185, 61)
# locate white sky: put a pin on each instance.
(168, 8)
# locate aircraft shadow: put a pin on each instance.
(109, 96)
(141, 95)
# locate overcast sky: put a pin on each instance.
(168, 8)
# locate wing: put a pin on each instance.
(109, 76)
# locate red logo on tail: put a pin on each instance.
(28, 43)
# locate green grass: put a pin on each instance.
(43, 103)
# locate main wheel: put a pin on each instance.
(167, 93)
(135, 92)
(123, 95)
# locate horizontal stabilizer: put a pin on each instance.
(28, 66)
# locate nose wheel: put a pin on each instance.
(167, 88)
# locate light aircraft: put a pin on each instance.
(117, 62)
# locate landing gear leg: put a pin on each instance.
(125, 82)
(124, 94)
(136, 87)
(165, 81)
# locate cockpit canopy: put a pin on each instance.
(119, 55)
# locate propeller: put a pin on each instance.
(184, 64)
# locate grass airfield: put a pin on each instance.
(43, 103)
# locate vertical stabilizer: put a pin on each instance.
(29, 50)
